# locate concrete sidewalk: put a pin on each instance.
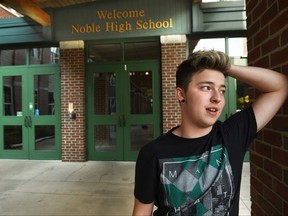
(92, 188)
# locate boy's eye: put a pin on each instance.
(223, 91)
(206, 88)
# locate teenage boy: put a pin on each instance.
(195, 168)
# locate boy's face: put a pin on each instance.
(204, 98)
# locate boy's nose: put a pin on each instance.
(216, 97)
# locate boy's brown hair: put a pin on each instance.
(197, 62)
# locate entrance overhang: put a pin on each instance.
(219, 17)
(189, 19)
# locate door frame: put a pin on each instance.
(123, 139)
(28, 133)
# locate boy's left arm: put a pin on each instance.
(272, 85)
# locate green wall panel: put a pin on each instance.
(116, 19)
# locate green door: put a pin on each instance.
(30, 112)
(123, 109)
(230, 98)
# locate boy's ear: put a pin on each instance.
(180, 94)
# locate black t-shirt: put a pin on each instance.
(198, 176)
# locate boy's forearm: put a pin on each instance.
(264, 80)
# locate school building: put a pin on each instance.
(95, 80)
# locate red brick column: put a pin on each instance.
(268, 47)
(73, 91)
(172, 56)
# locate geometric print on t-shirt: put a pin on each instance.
(198, 185)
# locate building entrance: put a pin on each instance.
(30, 112)
(123, 109)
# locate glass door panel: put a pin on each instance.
(12, 106)
(104, 93)
(140, 135)
(104, 136)
(44, 94)
(141, 92)
(44, 111)
(122, 114)
(45, 137)
(13, 131)
(12, 95)
(13, 138)
(143, 113)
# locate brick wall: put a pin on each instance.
(172, 56)
(73, 91)
(268, 47)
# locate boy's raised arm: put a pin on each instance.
(272, 85)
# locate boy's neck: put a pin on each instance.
(191, 132)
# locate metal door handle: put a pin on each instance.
(120, 121)
(124, 121)
(29, 121)
(26, 121)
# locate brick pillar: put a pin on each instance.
(268, 47)
(73, 91)
(172, 56)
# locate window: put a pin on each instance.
(127, 51)
(12, 57)
(15, 57)
(48, 55)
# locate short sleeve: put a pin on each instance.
(240, 130)
(145, 176)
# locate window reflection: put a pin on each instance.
(140, 135)
(132, 51)
(104, 93)
(12, 57)
(44, 95)
(142, 50)
(104, 53)
(12, 95)
(105, 138)
(141, 92)
(47, 55)
(13, 138)
(44, 137)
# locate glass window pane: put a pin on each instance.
(213, 43)
(13, 138)
(104, 53)
(105, 138)
(237, 47)
(104, 93)
(142, 50)
(44, 137)
(44, 95)
(140, 135)
(12, 95)
(12, 57)
(48, 55)
(141, 92)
